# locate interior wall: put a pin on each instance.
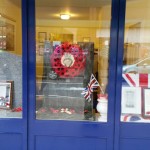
(78, 33)
(137, 31)
(13, 12)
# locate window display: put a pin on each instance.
(136, 65)
(68, 85)
(10, 59)
(6, 97)
(67, 72)
(72, 69)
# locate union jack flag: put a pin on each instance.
(89, 89)
(136, 80)
(130, 118)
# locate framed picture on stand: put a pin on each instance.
(146, 102)
(131, 100)
(6, 94)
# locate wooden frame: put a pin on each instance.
(42, 36)
(6, 94)
(146, 103)
(8, 33)
(131, 100)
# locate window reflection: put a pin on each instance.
(72, 60)
(136, 61)
(10, 59)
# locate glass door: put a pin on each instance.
(72, 54)
(71, 81)
(135, 88)
(13, 80)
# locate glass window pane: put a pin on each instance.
(136, 63)
(10, 59)
(72, 59)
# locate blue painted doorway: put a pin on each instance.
(74, 74)
(132, 121)
(68, 74)
(13, 75)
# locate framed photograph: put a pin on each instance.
(8, 33)
(41, 49)
(131, 100)
(42, 36)
(146, 102)
(6, 96)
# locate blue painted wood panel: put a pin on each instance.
(73, 143)
(135, 144)
(11, 141)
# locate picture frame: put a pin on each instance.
(146, 103)
(6, 94)
(42, 36)
(8, 33)
(131, 100)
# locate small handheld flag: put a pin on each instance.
(89, 89)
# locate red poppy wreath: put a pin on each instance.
(68, 60)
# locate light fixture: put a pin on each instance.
(64, 16)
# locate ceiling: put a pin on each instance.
(78, 9)
(72, 3)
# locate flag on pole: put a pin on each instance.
(136, 80)
(86, 94)
(89, 89)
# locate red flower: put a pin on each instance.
(68, 60)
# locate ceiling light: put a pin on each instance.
(65, 16)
